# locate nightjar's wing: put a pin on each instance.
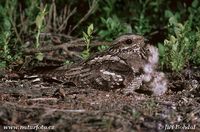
(109, 72)
(102, 71)
(66, 75)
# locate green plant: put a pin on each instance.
(87, 38)
(194, 17)
(194, 24)
(195, 50)
(113, 27)
(175, 53)
(150, 106)
(40, 25)
(180, 48)
(135, 114)
(5, 51)
(102, 48)
(14, 26)
(183, 44)
(142, 25)
(7, 42)
(67, 62)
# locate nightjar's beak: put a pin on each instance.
(146, 41)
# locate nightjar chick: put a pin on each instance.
(154, 80)
(127, 64)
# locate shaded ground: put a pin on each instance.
(31, 102)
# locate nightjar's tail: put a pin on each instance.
(75, 74)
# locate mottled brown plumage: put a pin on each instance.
(121, 66)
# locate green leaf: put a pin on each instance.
(172, 20)
(40, 18)
(40, 56)
(85, 54)
(173, 39)
(90, 29)
(3, 64)
(67, 62)
(195, 3)
(7, 24)
(102, 48)
(161, 49)
(168, 14)
(86, 38)
(38, 21)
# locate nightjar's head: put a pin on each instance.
(131, 48)
(127, 43)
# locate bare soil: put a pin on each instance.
(31, 102)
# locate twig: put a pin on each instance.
(46, 108)
(64, 46)
(157, 31)
(43, 99)
(64, 24)
(85, 17)
(56, 34)
(16, 32)
(54, 15)
(192, 114)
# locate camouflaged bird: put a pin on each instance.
(121, 66)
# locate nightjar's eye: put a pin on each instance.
(129, 41)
